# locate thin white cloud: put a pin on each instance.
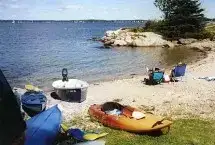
(69, 7)
(90, 10)
(13, 16)
(115, 9)
(60, 9)
(136, 17)
(73, 7)
(14, 6)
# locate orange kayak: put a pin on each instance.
(147, 124)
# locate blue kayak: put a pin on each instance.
(33, 103)
(43, 128)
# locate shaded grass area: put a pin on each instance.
(211, 28)
(183, 132)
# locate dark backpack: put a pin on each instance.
(12, 124)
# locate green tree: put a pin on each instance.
(164, 6)
(182, 18)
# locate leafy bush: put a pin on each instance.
(137, 30)
(201, 35)
(170, 33)
(154, 26)
(210, 28)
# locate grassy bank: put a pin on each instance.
(183, 132)
(210, 28)
(157, 26)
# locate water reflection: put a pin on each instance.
(164, 57)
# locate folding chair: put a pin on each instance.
(178, 71)
(157, 77)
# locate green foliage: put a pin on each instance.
(210, 28)
(200, 35)
(154, 26)
(183, 132)
(137, 30)
(161, 28)
(180, 17)
(164, 6)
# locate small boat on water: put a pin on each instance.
(148, 123)
(43, 128)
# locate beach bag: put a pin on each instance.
(166, 78)
(157, 77)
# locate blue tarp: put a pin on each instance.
(43, 128)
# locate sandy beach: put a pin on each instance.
(188, 98)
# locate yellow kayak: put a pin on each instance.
(149, 123)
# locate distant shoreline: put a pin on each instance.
(141, 21)
(84, 20)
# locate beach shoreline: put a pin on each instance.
(144, 73)
(188, 98)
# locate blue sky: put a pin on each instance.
(86, 9)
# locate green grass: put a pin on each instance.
(211, 28)
(158, 27)
(182, 132)
(137, 30)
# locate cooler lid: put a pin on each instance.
(70, 84)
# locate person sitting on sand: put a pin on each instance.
(178, 71)
(150, 80)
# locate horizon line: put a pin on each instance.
(75, 20)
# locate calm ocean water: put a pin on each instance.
(36, 53)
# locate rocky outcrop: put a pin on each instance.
(123, 37)
(187, 41)
(204, 45)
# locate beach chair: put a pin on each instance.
(178, 72)
(157, 77)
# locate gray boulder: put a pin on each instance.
(187, 41)
(119, 43)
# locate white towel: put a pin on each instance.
(138, 115)
(166, 78)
